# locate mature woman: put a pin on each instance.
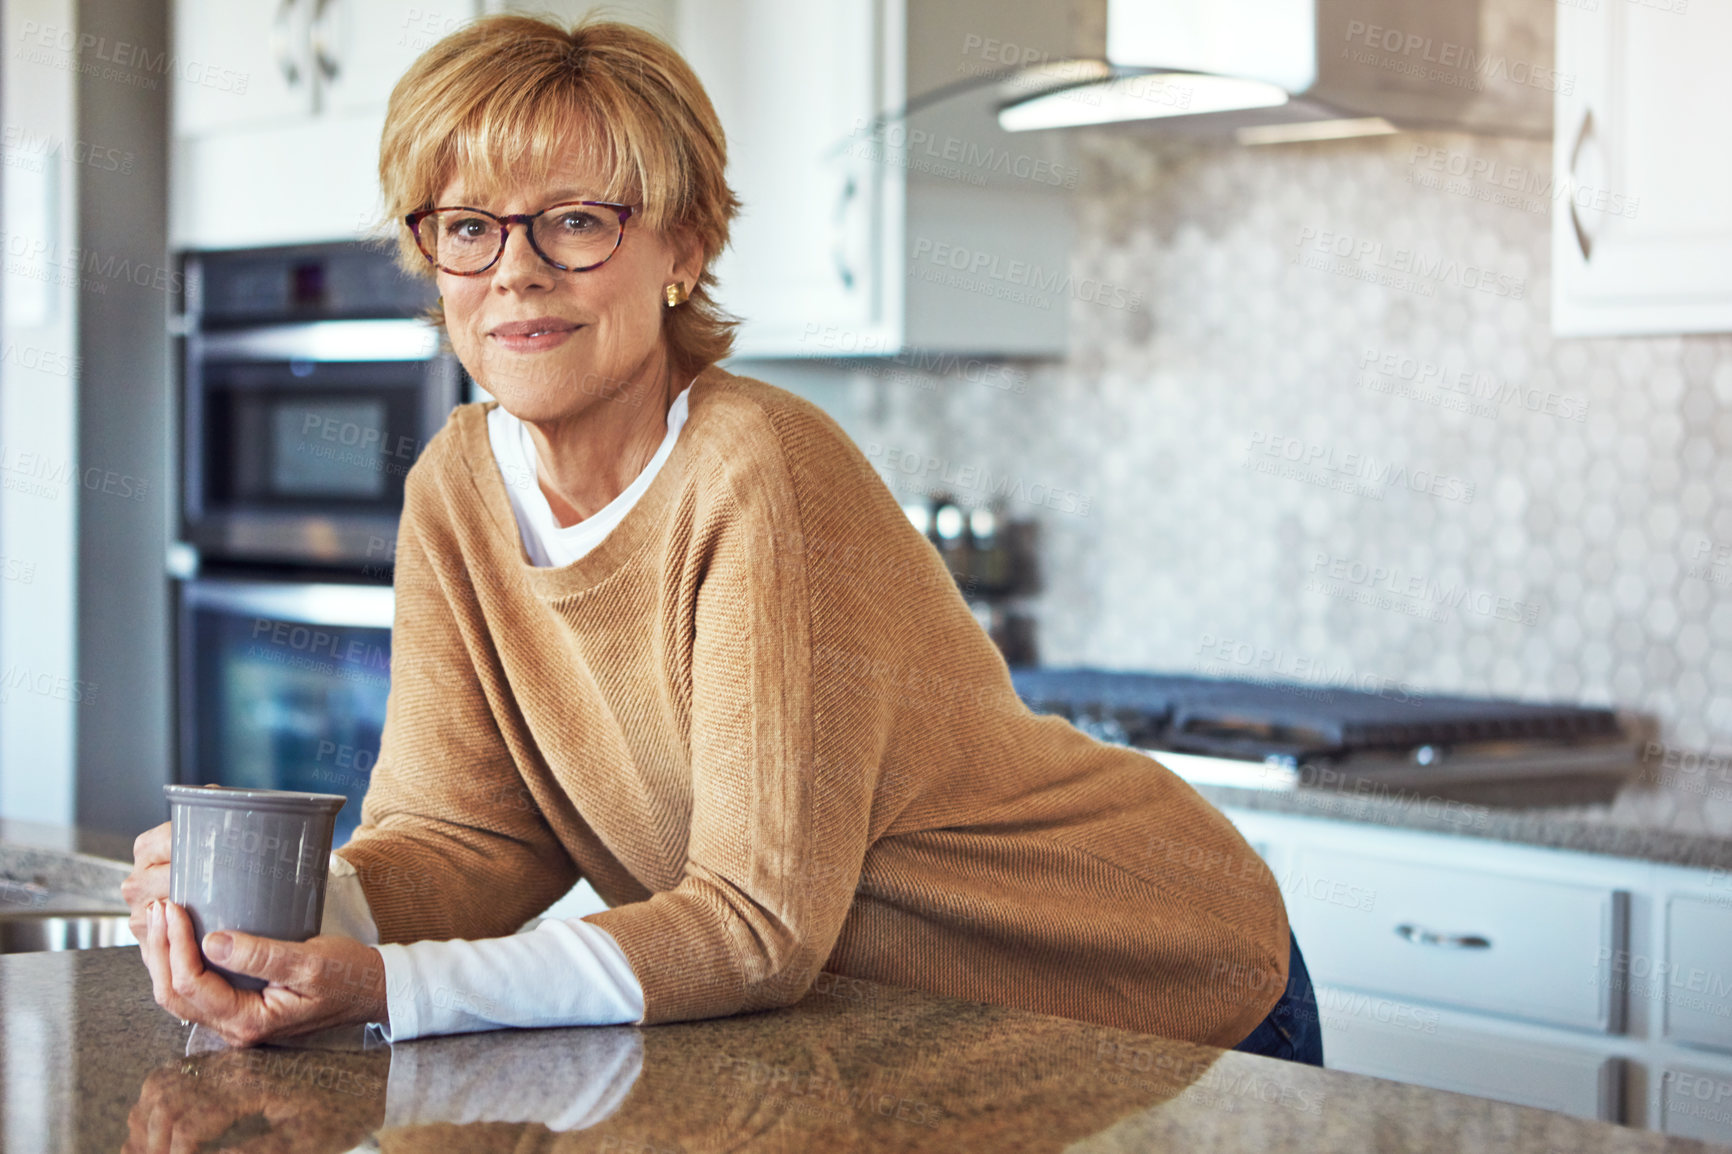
(663, 628)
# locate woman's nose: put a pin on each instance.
(520, 266)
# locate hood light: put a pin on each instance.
(1315, 130)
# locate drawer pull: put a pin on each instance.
(1420, 936)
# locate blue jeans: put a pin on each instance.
(1291, 1032)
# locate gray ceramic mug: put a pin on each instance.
(252, 860)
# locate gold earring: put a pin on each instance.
(676, 294)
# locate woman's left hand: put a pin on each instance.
(324, 982)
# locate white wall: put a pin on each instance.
(39, 678)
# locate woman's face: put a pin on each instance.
(550, 344)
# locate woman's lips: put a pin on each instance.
(535, 335)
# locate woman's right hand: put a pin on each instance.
(148, 880)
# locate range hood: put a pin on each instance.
(1273, 70)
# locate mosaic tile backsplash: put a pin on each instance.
(1291, 463)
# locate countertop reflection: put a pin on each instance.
(90, 1063)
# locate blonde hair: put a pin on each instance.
(513, 95)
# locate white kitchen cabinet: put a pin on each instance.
(361, 47)
(1518, 947)
(262, 63)
(276, 130)
(1605, 991)
(265, 49)
(1696, 1103)
(802, 248)
(1641, 225)
(1409, 1043)
(938, 232)
(1696, 981)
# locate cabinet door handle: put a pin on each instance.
(839, 248)
(280, 43)
(1584, 134)
(323, 43)
(1420, 936)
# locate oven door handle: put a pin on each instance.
(388, 340)
(310, 603)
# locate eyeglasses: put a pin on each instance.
(573, 237)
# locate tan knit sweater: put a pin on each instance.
(761, 720)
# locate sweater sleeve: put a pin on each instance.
(778, 832)
(451, 843)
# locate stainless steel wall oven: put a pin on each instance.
(310, 387)
(310, 384)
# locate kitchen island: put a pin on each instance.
(91, 1063)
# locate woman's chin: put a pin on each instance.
(542, 404)
(549, 394)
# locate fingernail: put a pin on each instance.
(155, 913)
(218, 946)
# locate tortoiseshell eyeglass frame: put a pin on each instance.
(526, 219)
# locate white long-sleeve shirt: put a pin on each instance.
(564, 972)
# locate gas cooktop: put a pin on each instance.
(1294, 734)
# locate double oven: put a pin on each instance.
(310, 382)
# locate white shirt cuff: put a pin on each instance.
(563, 973)
(347, 913)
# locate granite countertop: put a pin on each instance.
(68, 869)
(60, 839)
(1645, 824)
(856, 1066)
